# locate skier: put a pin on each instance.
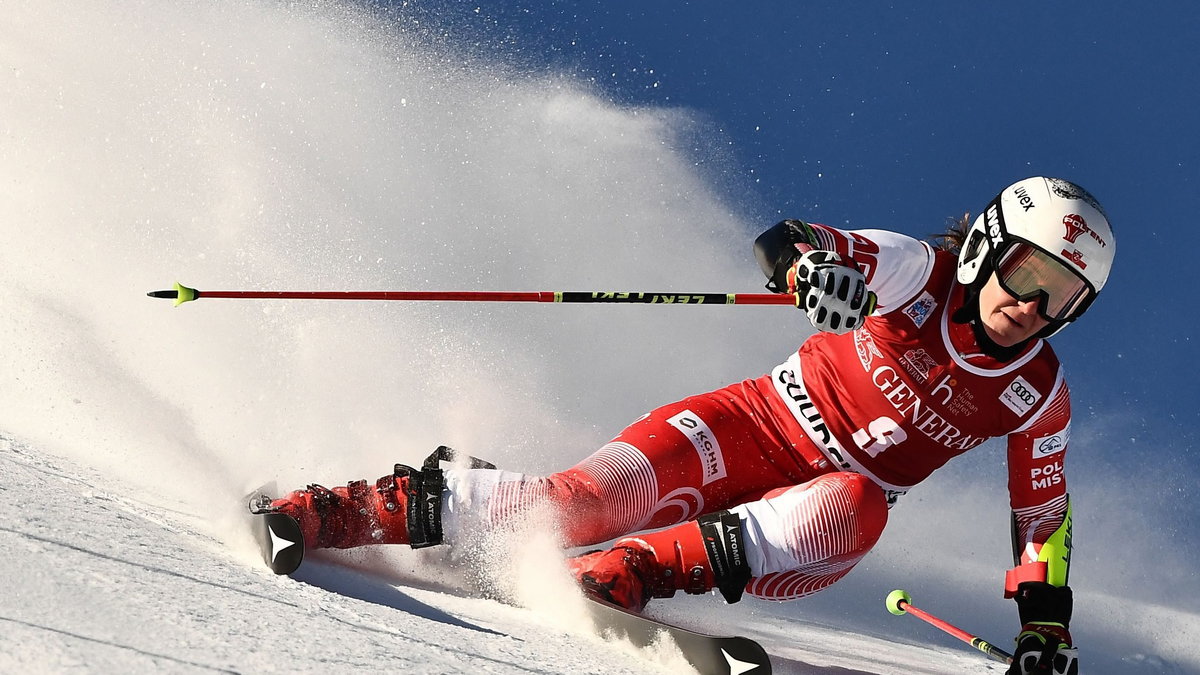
(780, 484)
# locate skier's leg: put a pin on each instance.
(794, 541)
(803, 539)
(696, 456)
(668, 467)
(696, 557)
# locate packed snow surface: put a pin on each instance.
(102, 579)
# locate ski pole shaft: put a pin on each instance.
(181, 294)
(900, 602)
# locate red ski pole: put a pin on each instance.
(181, 294)
(900, 602)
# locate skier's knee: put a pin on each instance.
(835, 517)
(866, 506)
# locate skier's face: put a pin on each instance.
(1007, 320)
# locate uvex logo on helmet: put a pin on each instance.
(994, 228)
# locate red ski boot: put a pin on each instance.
(694, 557)
(350, 516)
(402, 508)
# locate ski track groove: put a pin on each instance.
(115, 645)
(149, 568)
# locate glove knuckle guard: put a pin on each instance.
(832, 292)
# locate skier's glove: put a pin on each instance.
(1044, 649)
(1044, 645)
(831, 291)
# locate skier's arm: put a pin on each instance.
(1041, 538)
(894, 266)
(1037, 487)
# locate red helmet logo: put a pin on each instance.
(1076, 257)
(1076, 226)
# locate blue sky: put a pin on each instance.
(895, 116)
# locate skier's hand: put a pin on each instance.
(831, 291)
(1044, 649)
(1044, 644)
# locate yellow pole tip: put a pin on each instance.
(183, 294)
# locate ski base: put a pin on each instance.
(278, 535)
(708, 654)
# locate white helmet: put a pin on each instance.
(1044, 238)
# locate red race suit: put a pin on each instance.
(809, 454)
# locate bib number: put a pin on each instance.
(879, 436)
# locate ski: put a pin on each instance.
(708, 654)
(278, 535)
(282, 546)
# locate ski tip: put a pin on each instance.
(180, 294)
(280, 541)
(279, 537)
(287, 543)
(896, 601)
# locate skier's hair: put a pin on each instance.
(956, 233)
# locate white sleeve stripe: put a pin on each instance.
(904, 267)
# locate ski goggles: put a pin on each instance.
(1027, 272)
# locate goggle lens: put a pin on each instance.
(1027, 272)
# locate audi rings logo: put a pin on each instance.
(1020, 396)
(1022, 392)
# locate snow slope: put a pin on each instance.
(102, 580)
(249, 143)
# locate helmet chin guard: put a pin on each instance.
(1060, 228)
